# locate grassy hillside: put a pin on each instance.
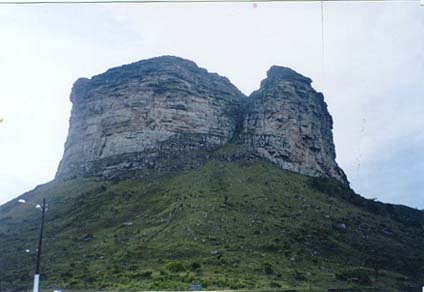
(231, 224)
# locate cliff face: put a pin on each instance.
(159, 114)
(166, 113)
(287, 122)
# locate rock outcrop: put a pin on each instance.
(158, 114)
(287, 122)
(166, 113)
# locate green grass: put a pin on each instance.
(231, 224)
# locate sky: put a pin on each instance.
(367, 59)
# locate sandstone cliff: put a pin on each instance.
(166, 113)
(161, 113)
(287, 122)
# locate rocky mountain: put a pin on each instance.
(171, 177)
(166, 113)
(287, 122)
(158, 114)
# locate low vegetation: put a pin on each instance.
(231, 224)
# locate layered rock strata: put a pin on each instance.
(159, 114)
(287, 122)
(166, 113)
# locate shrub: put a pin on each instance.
(328, 186)
(268, 269)
(274, 285)
(168, 285)
(145, 274)
(175, 267)
(358, 275)
(270, 247)
(195, 266)
(298, 276)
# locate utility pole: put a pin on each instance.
(40, 240)
(1, 273)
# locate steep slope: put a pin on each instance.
(233, 223)
(288, 123)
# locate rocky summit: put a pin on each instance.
(287, 122)
(166, 113)
(172, 177)
(159, 114)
